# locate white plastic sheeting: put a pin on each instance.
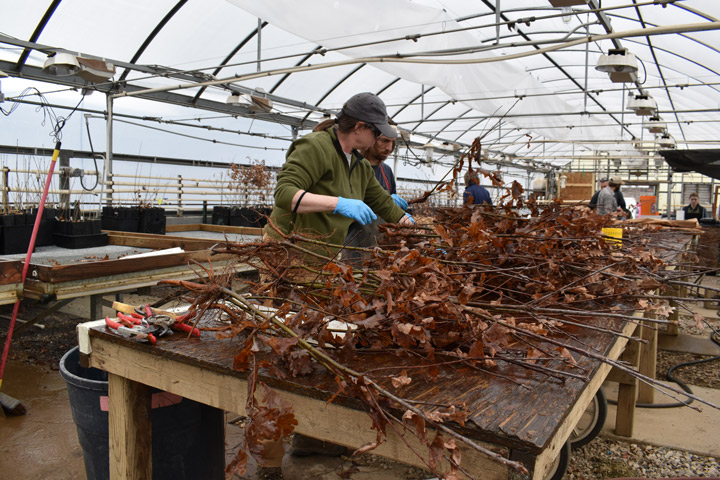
(342, 22)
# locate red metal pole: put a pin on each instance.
(31, 247)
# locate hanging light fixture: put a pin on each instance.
(429, 151)
(666, 141)
(642, 105)
(620, 64)
(254, 103)
(656, 125)
(260, 102)
(562, 180)
(567, 3)
(95, 70)
(241, 99)
(62, 64)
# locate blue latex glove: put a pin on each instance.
(355, 209)
(399, 201)
(409, 216)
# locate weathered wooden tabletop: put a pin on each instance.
(524, 417)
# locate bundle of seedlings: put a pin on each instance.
(497, 290)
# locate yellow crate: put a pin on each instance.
(615, 235)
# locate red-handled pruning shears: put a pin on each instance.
(136, 332)
(165, 322)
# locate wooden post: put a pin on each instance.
(130, 426)
(648, 360)
(96, 307)
(627, 390)
(673, 326)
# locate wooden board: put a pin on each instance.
(102, 268)
(103, 284)
(206, 227)
(10, 276)
(10, 271)
(579, 186)
(8, 293)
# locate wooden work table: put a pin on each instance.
(528, 424)
(10, 281)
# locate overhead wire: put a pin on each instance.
(194, 137)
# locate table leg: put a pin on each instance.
(627, 391)
(96, 307)
(648, 361)
(130, 429)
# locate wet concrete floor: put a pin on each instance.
(43, 444)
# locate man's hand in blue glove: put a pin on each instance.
(399, 201)
(406, 220)
(355, 209)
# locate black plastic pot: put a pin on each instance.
(15, 238)
(221, 215)
(188, 440)
(84, 227)
(7, 219)
(243, 217)
(263, 215)
(152, 220)
(121, 219)
(47, 226)
(80, 241)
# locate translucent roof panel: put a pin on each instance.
(449, 70)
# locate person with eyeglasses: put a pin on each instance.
(325, 185)
(367, 235)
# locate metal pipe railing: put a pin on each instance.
(176, 193)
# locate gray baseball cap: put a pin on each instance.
(367, 107)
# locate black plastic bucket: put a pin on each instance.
(188, 440)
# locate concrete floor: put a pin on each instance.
(43, 443)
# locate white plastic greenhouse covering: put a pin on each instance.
(519, 74)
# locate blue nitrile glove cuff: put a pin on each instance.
(355, 209)
(399, 201)
(410, 217)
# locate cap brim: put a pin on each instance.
(386, 129)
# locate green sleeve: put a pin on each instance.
(304, 166)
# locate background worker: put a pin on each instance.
(594, 200)
(694, 210)
(475, 194)
(607, 202)
(620, 199)
(366, 235)
(322, 188)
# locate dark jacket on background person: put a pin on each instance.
(620, 199)
(697, 212)
(475, 194)
(385, 177)
(366, 236)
